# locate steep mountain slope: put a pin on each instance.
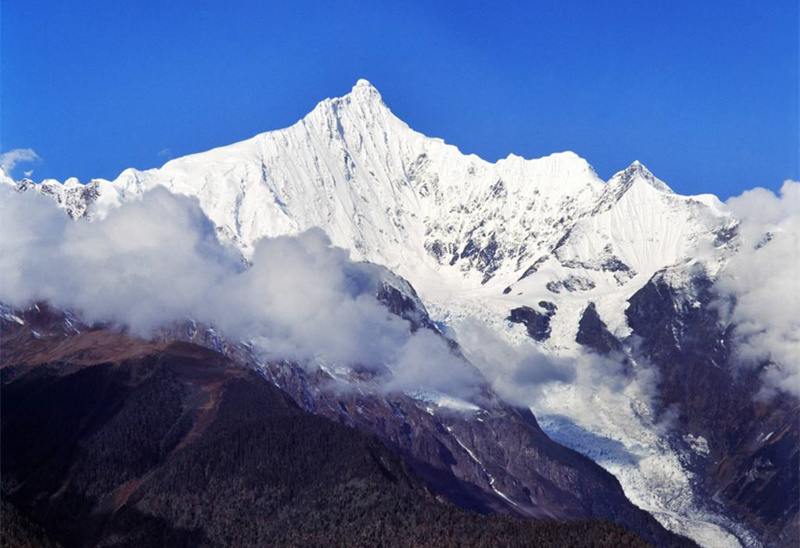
(490, 458)
(745, 447)
(109, 440)
(528, 247)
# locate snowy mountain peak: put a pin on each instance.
(361, 107)
(364, 91)
(364, 85)
(637, 171)
(420, 207)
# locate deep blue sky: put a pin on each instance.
(704, 93)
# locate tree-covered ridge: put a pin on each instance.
(178, 447)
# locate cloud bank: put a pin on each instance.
(763, 279)
(157, 261)
(527, 376)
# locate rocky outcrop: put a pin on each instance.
(749, 453)
(593, 333)
(536, 323)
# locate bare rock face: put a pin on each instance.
(593, 333)
(536, 323)
(745, 447)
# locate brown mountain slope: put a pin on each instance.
(124, 443)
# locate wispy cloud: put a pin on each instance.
(764, 280)
(10, 159)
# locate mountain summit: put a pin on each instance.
(364, 86)
(638, 171)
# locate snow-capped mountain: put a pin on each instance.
(512, 232)
(398, 198)
(542, 251)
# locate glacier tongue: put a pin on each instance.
(477, 239)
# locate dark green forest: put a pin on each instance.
(181, 448)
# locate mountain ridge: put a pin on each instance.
(43, 345)
(260, 184)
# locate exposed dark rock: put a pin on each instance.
(614, 264)
(593, 333)
(23, 185)
(548, 307)
(76, 200)
(482, 253)
(570, 284)
(470, 250)
(490, 258)
(440, 251)
(726, 234)
(498, 190)
(767, 238)
(534, 267)
(407, 306)
(561, 242)
(605, 261)
(754, 443)
(537, 323)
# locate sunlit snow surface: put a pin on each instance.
(476, 239)
(624, 441)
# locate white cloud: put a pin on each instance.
(763, 279)
(9, 160)
(518, 373)
(590, 390)
(156, 261)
